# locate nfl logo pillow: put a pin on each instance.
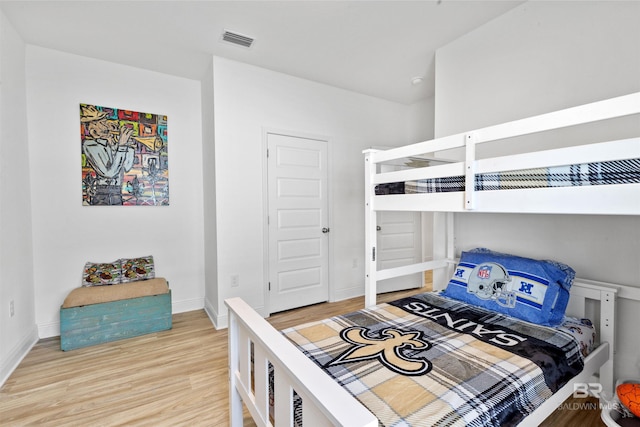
(532, 290)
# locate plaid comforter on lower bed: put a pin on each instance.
(431, 361)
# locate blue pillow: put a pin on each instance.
(532, 290)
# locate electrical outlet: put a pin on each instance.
(12, 310)
(235, 281)
(355, 263)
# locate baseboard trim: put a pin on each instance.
(221, 321)
(49, 329)
(347, 293)
(18, 353)
(212, 313)
(187, 305)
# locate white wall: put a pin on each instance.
(67, 234)
(249, 100)
(537, 58)
(421, 120)
(209, 193)
(18, 332)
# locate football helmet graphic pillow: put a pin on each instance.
(491, 281)
(532, 290)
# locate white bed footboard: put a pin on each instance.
(254, 343)
(324, 402)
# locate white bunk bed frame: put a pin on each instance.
(613, 199)
(254, 343)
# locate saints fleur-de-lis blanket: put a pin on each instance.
(431, 361)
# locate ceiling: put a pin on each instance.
(371, 47)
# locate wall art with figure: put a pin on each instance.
(124, 157)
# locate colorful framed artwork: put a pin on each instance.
(124, 157)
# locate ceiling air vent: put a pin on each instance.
(235, 38)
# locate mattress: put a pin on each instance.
(430, 360)
(596, 173)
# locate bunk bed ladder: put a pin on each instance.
(371, 226)
(470, 171)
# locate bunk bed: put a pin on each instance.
(277, 379)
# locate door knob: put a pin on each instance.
(378, 228)
(325, 230)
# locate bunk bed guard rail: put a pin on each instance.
(602, 110)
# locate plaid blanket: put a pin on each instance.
(597, 173)
(432, 361)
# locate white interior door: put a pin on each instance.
(298, 221)
(399, 243)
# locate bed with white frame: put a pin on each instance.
(254, 345)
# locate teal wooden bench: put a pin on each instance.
(99, 314)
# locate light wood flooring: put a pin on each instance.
(170, 378)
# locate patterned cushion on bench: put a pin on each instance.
(134, 269)
(102, 274)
